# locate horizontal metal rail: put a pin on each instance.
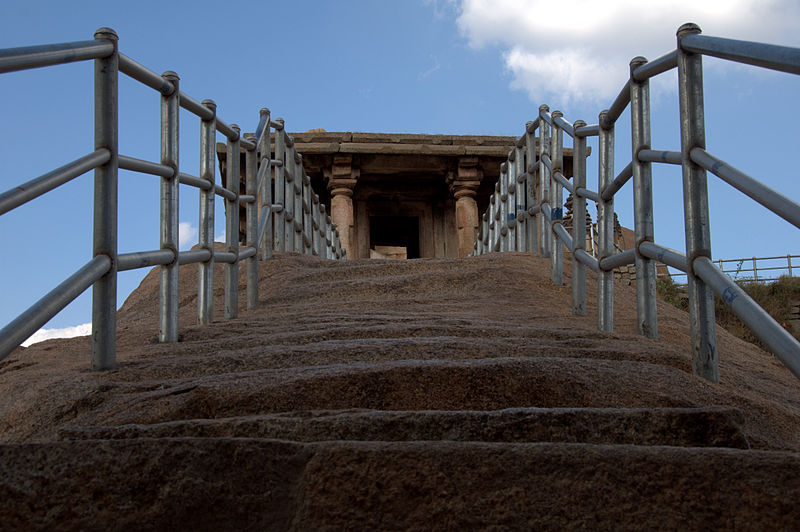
(668, 256)
(612, 188)
(194, 256)
(144, 75)
(589, 194)
(225, 193)
(547, 162)
(193, 181)
(582, 256)
(145, 167)
(617, 107)
(771, 56)
(772, 200)
(144, 259)
(660, 156)
(200, 110)
(592, 130)
(777, 339)
(558, 176)
(225, 257)
(564, 125)
(562, 233)
(655, 67)
(30, 321)
(26, 57)
(617, 260)
(246, 253)
(34, 188)
(226, 130)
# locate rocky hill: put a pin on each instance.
(424, 394)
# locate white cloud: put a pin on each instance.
(187, 235)
(441, 8)
(580, 49)
(67, 332)
(436, 66)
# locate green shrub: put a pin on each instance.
(776, 298)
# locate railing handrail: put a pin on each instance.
(319, 235)
(755, 269)
(534, 224)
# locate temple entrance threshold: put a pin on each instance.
(394, 237)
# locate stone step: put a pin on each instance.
(483, 384)
(686, 427)
(253, 351)
(241, 483)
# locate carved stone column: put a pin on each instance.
(464, 185)
(341, 178)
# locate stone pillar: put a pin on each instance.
(464, 185)
(342, 178)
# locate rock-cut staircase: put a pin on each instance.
(382, 395)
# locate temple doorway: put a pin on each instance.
(394, 237)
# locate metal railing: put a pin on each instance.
(747, 269)
(525, 212)
(293, 220)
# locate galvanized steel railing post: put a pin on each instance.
(495, 220)
(308, 223)
(315, 225)
(695, 205)
(646, 312)
(503, 207)
(233, 162)
(168, 291)
(531, 225)
(328, 238)
(280, 185)
(323, 230)
(335, 244)
(205, 289)
(578, 222)
(265, 191)
(298, 202)
(511, 202)
(605, 227)
(556, 203)
(519, 208)
(488, 228)
(545, 231)
(251, 224)
(104, 291)
(288, 200)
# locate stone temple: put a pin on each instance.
(403, 195)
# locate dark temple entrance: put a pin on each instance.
(389, 232)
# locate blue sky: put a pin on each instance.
(417, 66)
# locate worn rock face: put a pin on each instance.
(385, 394)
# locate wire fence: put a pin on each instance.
(751, 269)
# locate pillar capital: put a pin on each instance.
(465, 180)
(341, 177)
